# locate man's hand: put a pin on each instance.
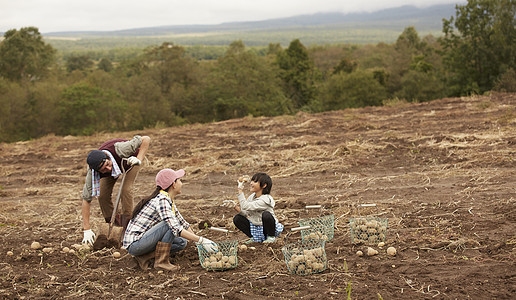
(89, 237)
(229, 203)
(208, 245)
(133, 161)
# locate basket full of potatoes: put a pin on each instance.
(224, 259)
(368, 230)
(305, 257)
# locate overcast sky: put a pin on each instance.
(107, 15)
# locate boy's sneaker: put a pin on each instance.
(270, 239)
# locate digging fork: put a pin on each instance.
(115, 208)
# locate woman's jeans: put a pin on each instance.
(159, 233)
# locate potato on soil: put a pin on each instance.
(391, 251)
(66, 249)
(116, 254)
(360, 253)
(371, 251)
(35, 245)
(47, 250)
(10, 253)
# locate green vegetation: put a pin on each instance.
(80, 91)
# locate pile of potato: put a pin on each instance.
(369, 231)
(220, 261)
(306, 262)
(317, 235)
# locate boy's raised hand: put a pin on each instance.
(240, 184)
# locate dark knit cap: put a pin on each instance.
(95, 159)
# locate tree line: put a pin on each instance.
(163, 85)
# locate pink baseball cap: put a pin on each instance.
(166, 177)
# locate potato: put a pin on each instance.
(360, 253)
(213, 258)
(71, 251)
(301, 269)
(219, 255)
(391, 251)
(363, 236)
(363, 228)
(35, 245)
(371, 251)
(243, 247)
(372, 239)
(293, 257)
(116, 254)
(292, 265)
(227, 265)
(10, 253)
(318, 252)
(381, 244)
(224, 259)
(301, 259)
(47, 250)
(232, 259)
(371, 230)
(66, 249)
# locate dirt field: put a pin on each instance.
(442, 172)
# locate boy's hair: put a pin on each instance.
(263, 179)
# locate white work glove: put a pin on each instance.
(133, 161)
(208, 245)
(89, 237)
(229, 203)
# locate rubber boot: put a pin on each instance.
(144, 260)
(162, 255)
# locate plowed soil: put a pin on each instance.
(442, 172)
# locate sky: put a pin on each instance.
(108, 15)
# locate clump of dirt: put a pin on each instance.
(441, 173)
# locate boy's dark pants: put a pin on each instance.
(269, 224)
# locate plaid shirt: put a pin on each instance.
(158, 209)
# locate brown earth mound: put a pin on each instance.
(443, 174)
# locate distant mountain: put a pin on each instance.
(424, 19)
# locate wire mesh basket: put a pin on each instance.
(224, 259)
(305, 257)
(320, 228)
(368, 230)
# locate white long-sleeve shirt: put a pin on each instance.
(253, 207)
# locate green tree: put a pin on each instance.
(350, 90)
(484, 47)
(86, 109)
(78, 63)
(297, 74)
(105, 65)
(244, 83)
(345, 65)
(24, 55)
